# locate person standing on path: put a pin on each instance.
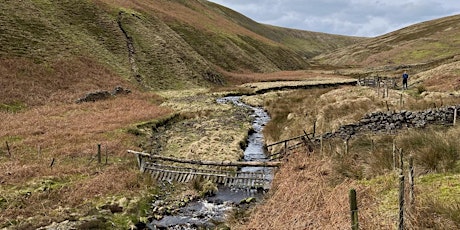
(405, 77)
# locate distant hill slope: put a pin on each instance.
(160, 44)
(430, 43)
(306, 43)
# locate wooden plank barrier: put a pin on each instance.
(167, 172)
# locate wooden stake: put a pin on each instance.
(52, 163)
(455, 116)
(285, 148)
(395, 161)
(353, 210)
(106, 155)
(411, 181)
(346, 147)
(8, 148)
(99, 157)
(401, 201)
(401, 162)
(314, 128)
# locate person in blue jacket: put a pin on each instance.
(405, 77)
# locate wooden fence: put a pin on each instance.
(291, 144)
(166, 171)
(377, 81)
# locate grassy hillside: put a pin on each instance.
(435, 41)
(306, 43)
(173, 44)
(318, 182)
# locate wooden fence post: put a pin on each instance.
(455, 116)
(386, 89)
(52, 163)
(401, 201)
(8, 148)
(99, 157)
(106, 155)
(353, 210)
(411, 181)
(346, 146)
(285, 148)
(395, 161)
(401, 162)
(372, 146)
(314, 128)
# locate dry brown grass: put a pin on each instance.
(304, 198)
(60, 81)
(242, 78)
(51, 126)
(189, 12)
(69, 133)
(302, 192)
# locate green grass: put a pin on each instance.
(13, 107)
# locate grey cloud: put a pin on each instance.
(347, 17)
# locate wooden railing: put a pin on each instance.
(304, 140)
(165, 171)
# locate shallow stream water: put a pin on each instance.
(207, 213)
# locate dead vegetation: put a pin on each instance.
(318, 184)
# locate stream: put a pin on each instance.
(209, 212)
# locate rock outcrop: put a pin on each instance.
(102, 95)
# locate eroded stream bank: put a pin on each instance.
(212, 211)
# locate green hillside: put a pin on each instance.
(173, 44)
(433, 41)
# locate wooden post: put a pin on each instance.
(401, 162)
(346, 147)
(388, 107)
(285, 148)
(386, 89)
(106, 155)
(99, 157)
(314, 128)
(411, 181)
(455, 116)
(395, 161)
(8, 148)
(52, 163)
(401, 201)
(372, 146)
(353, 210)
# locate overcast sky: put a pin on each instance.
(366, 18)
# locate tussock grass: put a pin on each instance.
(304, 198)
(433, 150)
